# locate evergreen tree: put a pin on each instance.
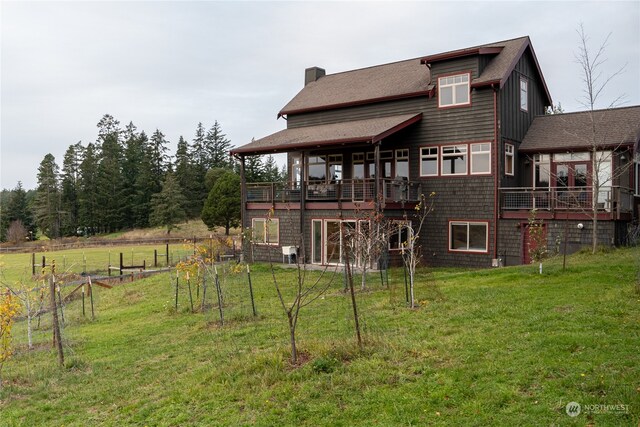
(47, 201)
(222, 208)
(134, 146)
(110, 184)
(218, 147)
(199, 153)
(88, 190)
(254, 170)
(69, 186)
(145, 187)
(168, 205)
(271, 171)
(159, 159)
(185, 175)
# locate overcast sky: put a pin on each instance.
(171, 65)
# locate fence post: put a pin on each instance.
(57, 341)
(121, 266)
(253, 304)
(219, 292)
(93, 315)
(33, 264)
(167, 254)
(155, 258)
(177, 279)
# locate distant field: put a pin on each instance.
(500, 347)
(93, 261)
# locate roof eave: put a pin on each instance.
(284, 112)
(461, 53)
(573, 148)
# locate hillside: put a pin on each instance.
(489, 347)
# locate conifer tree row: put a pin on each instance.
(119, 181)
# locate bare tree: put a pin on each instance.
(17, 233)
(411, 250)
(591, 63)
(306, 291)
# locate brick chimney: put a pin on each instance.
(312, 74)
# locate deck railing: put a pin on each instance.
(609, 199)
(351, 190)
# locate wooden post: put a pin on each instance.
(121, 266)
(253, 304)
(83, 312)
(44, 263)
(219, 292)
(190, 295)
(57, 340)
(93, 314)
(33, 264)
(204, 293)
(155, 258)
(177, 279)
(376, 193)
(167, 254)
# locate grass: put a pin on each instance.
(489, 347)
(91, 260)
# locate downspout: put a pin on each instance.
(496, 172)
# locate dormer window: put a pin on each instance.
(454, 90)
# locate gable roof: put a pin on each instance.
(405, 79)
(507, 54)
(356, 131)
(382, 82)
(572, 131)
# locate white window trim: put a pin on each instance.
(265, 226)
(430, 156)
(509, 156)
(469, 223)
(471, 155)
(526, 94)
(442, 158)
(453, 94)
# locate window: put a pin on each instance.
(357, 166)
(454, 160)
(541, 171)
(316, 238)
(386, 158)
(400, 233)
(402, 163)
(266, 231)
(429, 161)
(335, 167)
(467, 236)
(524, 94)
(317, 169)
(509, 160)
(296, 170)
(481, 158)
(454, 90)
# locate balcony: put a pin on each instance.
(615, 201)
(356, 190)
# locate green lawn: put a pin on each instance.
(488, 347)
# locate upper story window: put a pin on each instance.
(481, 158)
(325, 168)
(509, 161)
(454, 160)
(357, 163)
(402, 163)
(429, 161)
(454, 90)
(541, 171)
(296, 171)
(524, 94)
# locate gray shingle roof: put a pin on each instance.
(404, 78)
(571, 131)
(366, 130)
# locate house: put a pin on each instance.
(467, 124)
